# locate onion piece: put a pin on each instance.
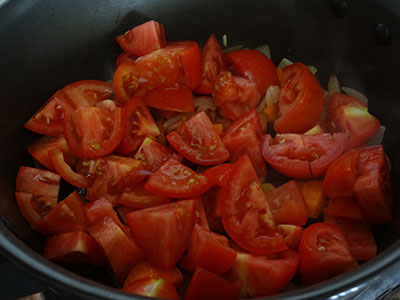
(233, 48)
(313, 69)
(333, 86)
(203, 103)
(389, 163)
(271, 97)
(225, 40)
(264, 49)
(356, 94)
(173, 122)
(284, 63)
(377, 138)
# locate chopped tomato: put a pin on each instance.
(291, 234)
(207, 285)
(359, 237)
(219, 175)
(255, 66)
(303, 156)
(243, 136)
(122, 212)
(348, 114)
(138, 197)
(301, 101)
(213, 63)
(139, 124)
(154, 154)
(76, 246)
(200, 214)
(124, 57)
(67, 216)
(176, 98)
(41, 148)
(37, 182)
(287, 204)
(143, 39)
(208, 250)
(175, 180)
(246, 215)
(163, 229)
(324, 253)
(95, 131)
(150, 287)
(197, 140)
(121, 251)
(144, 269)
(264, 276)
(341, 175)
(372, 158)
(344, 207)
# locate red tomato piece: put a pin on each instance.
(139, 124)
(122, 212)
(208, 250)
(143, 39)
(144, 269)
(210, 207)
(213, 63)
(73, 247)
(124, 57)
(372, 158)
(303, 156)
(163, 231)
(155, 154)
(341, 175)
(121, 251)
(37, 182)
(262, 276)
(287, 204)
(197, 140)
(138, 197)
(301, 101)
(344, 207)
(347, 114)
(324, 253)
(150, 287)
(255, 66)
(95, 131)
(246, 215)
(177, 98)
(175, 180)
(207, 285)
(243, 136)
(41, 148)
(200, 213)
(67, 216)
(219, 175)
(291, 234)
(359, 237)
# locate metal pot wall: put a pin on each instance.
(47, 44)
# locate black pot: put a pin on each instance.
(47, 44)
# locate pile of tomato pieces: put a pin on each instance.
(197, 198)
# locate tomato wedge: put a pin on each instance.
(345, 208)
(150, 287)
(246, 215)
(219, 175)
(139, 124)
(175, 180)
(197, 140)
(95, 131)
(138, 197)
(301, 100)
(177, 98)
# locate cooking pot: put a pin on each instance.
(47, 44)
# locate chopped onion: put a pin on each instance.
(333, 85)
(264, 49)
(173, 123)
(284, 63)
(233, 48)
(388, 162)
(313, 69)
(267, 187)
(271, 97)
(377, 138)
(356, 94)
(225, 40)
(203, 103)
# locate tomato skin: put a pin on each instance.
(243, 137)
(151, 287)
(344, 207)
(214, 62)
(163, 229)
(219, 175)
(139, 124)
(177, 98)
(292, 235)
(250, 226)
(207, 285)
(372, 158)
(37, 182)
(87, 92)
(301, 100)
(208, 250)
(287, 204)
(124, 57)
(138, 197)
(197, 140)
(175, 180)
(324, 253)
(341, 175)
(255, 66)
(200, 214)
(143, 39)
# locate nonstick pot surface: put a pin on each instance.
(47, 44)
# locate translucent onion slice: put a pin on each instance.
(233, 48)
(225, 40)
(313, 69)
(354, 93)
(175, 122)
(333, 86)
(264, 49)
(203, 103)
(388, 162)
(271, 97)
(377, 138)
(284, 63)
